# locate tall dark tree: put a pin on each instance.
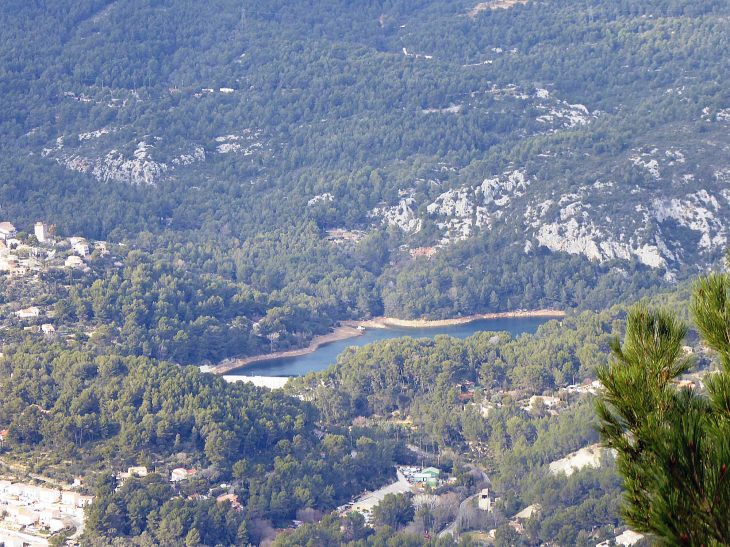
(673, 444)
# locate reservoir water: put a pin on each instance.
(327, 355)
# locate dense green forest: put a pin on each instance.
(83, 409)
(91, 415)
(334, 110)
(263, 170)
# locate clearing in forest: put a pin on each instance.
(493, 4)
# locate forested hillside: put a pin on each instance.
(70, 414)
(250, 173)
(543, 150)
(81, 409)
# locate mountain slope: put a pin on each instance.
(588, 129)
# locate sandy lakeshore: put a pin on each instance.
(349, 329)
(340, 333)
(385, 322)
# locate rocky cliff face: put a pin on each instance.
(114, 165)
(673, 221)
(95, 154)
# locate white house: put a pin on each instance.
(549, 402)
(12, 540)
(46, 516)
(486, 501)
(57, 524)
(528, 512)
(7, 231)
(48, 329)
(82, 248)
(28, 312)
(75, 499)
(18, 271)
(181, 474)
(74, 262)
(133, 471)
(25, 517)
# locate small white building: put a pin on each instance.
(74, 262)
(28, 313)
(486, 501)
(549, 402)
(48, 329)
(82, 248)
(41, 232)
(7, 231)
(181, 474)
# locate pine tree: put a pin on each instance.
(193, 538)
(673, 444)
(243, 535)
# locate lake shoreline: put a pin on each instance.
(339, 333)
(388, 322)
(353, 328)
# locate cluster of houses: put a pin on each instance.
(19, 259)
(411, 480)
(177, 475)
(341, 236)
(16, 258)
(31, 512)
(20, 256)
(420, 252)
(422, 477)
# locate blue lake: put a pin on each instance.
(326, 355)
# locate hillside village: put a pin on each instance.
(32, 514)
(434, 488)
(23, 254)
(27, 257)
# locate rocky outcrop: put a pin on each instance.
(401, 215)
(667, 222)
(115, 166)
(246, 142)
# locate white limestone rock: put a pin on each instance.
(320, 199)
(690, 214)
(401, 215)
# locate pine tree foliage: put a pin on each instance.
(673, 444)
